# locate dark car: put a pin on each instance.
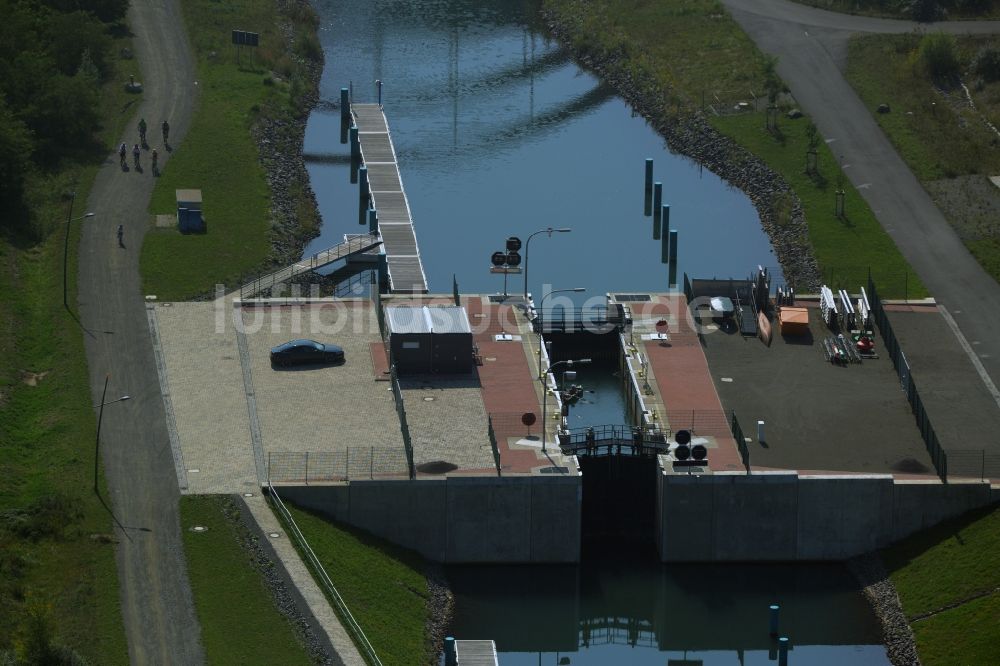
(299, 352)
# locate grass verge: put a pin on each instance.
(948, 580)
(383, 586)
(943, 139)
(845, 247)
(58, 577)
(239, 621)
(219, 156)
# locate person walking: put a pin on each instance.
(136, 152)
(154, 156)
(122, 150)
(142, 131)
(166, 131)
(121, 235)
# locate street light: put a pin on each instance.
(100, 418)
(541, 306)
(545, 390)
(69, 219)
(527, 243)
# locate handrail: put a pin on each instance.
(360, 640)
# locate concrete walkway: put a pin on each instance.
(811, 46)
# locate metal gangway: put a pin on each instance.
(388, 199)
(352, 245)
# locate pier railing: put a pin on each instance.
(741, 443)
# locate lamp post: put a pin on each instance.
(100, 418)
(545, 390)
(527, 243)
(541, 306)
(69, 219)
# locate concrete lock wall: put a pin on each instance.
(460, 519)
(782, 516)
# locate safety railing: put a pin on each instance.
(350, 464)
(493, 443)
(974, 463)
(352, 626)
(741, 442)
(404, 427)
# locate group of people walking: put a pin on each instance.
(137, 150)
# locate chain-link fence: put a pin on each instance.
(350, 464)
(974, 463)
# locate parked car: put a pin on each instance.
(299, 352)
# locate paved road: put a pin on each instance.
(811, 46)
(157, 608)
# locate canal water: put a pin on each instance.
(499, 134)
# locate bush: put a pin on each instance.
(939, 53)
(987, 63)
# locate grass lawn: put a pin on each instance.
(942, 139)
(845, 248)
(948, 564)
(56, 539)
(383, 586)
(240, 623)
(218, 155)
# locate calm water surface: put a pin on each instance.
(498, 133)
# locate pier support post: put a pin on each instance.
(647, 208)
(657, 205)
(383, 273)
(672, 258)
(363, 194)
(665, 244)
(450, 658)
(355, 153)
(372, 220)
(345, 114)
(783, 651)
(772, 620)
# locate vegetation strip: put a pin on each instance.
(246, 614)
(243, 151)
(956, 604)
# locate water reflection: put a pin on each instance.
(716, 614)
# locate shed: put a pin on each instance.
(429, 339)
(793, 321)
(189, 215)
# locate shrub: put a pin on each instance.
(939, 53)
(987, 63)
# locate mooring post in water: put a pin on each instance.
(783, 651)
(665, 244)
(355, 153)
(657, 203)
(647, 208)
(345, 114)
(672, 257)
(772, 624)
(372, 220)
(450, 658)
(363, 192)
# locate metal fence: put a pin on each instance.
(404, 427)
(319, 573)
(493, 443)
(741, 442)
(895, 352)
(974, 463)
(351, 464)
(705, 422)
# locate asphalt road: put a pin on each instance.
(811, 46)
(157, 608)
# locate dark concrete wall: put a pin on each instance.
(782, 516)
(460, 519)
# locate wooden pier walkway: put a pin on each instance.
(353, 245)
(395, 222)
(476, 653)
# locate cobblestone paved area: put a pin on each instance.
(205, 382)
(448, 421)
(320, 408)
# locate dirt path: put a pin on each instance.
(811, 46)
(157, 607)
